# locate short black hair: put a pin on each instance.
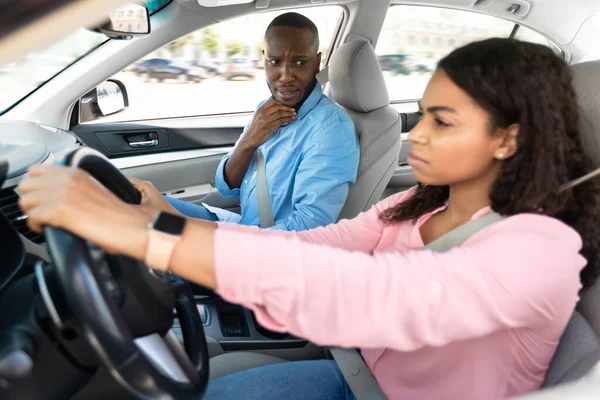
(295, 20)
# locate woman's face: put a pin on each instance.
(452, 144)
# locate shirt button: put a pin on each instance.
(246, 181)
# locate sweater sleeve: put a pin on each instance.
(520, 272)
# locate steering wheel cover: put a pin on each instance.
(101, 321)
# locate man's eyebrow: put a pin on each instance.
(438, 109)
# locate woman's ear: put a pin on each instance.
(508, 142)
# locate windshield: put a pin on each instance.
(23, 77)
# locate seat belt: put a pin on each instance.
(363, 384)
(265, 210)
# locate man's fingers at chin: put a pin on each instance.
(269, 103)
(281, 110)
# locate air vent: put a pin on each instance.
(10, 208)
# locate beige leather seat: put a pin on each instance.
(356, 83)
(579, 347)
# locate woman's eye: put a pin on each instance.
(441, 123)
(420, 114)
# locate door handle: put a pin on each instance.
(144, 143)
(142, 140)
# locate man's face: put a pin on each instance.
(291, 63)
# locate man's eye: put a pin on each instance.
(300, 62)
(274, 62)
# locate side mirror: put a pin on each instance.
(126, 22)
(107, 98)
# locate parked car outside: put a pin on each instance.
(397, 64)
(162, 69)
(239, 67)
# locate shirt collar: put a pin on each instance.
(312, 100)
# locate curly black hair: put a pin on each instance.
(527, 84)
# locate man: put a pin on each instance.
(308, 143)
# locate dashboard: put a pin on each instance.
(23, 144)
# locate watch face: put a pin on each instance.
(169, 223)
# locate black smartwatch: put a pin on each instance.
(163, 234)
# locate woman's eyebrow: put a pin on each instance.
(438, 109)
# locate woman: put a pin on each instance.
(499, 130)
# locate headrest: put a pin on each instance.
(355, 78)
(586, 79)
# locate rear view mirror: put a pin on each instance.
(126, 22)
(108, 98)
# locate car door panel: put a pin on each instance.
(188, 179)
(116, 140)
(183, 161)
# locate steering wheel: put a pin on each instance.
(117, 300)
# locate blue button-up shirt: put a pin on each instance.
(310, 165)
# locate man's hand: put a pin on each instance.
(152, 200)
(266, 120)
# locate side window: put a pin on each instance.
(414, 38)
(215, 70)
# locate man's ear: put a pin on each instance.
(318, 63)
(508, 142)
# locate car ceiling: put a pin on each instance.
(548, 16)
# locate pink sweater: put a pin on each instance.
(481, 321)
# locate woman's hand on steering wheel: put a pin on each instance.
(69, 198)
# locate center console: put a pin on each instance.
(235, 328)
